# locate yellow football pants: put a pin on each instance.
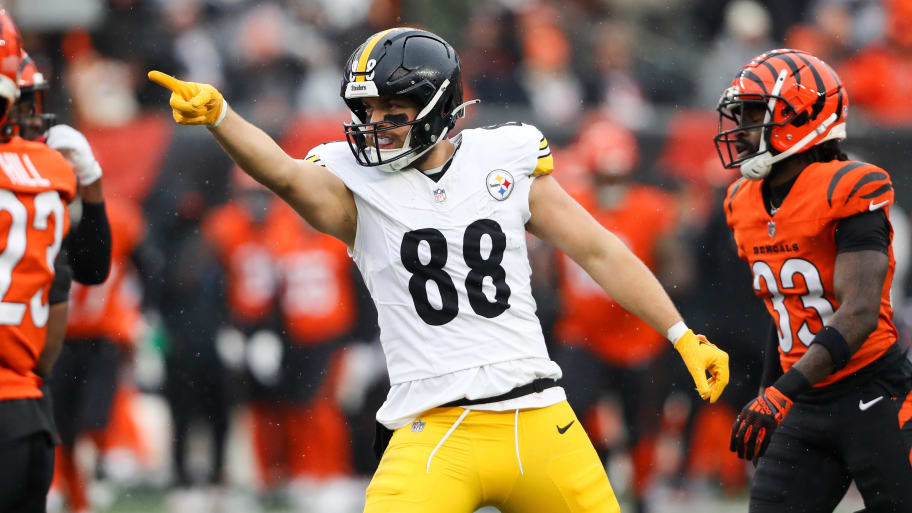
(539, 460)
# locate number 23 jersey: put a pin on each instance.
(792, 253)
(446, 262)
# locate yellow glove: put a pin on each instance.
(192, 103)
(700, 356)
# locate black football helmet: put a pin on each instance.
(407, 62)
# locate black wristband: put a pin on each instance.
(90, 245)
(792, 384)
(830, 338)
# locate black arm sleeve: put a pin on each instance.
(772, 369)
(864, 231)
(60, 288)
(90, 246)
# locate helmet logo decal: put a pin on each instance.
(361, 89)
(499, 184)
(371, 64)
(362, 64)
(368, 69)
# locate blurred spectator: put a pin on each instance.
(554, 92)
(490, 57)
(104, 101)
(618, 91)
(865, 19)
(880, 76)
(746, 35)
(195, 49)
(197, 386)
(828, 34)
(262, 72)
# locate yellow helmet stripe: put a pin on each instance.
(368, 48)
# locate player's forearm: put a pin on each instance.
(255, 152)
(629, 282)
(92, 193)
(858, 282)
(855, 324)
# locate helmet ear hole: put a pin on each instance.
(801, 119)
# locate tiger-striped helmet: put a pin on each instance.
(10, 48)
(28, 116)
(805, 104)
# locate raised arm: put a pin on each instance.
(560, 220)
(319, 196)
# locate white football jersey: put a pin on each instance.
(447, 267)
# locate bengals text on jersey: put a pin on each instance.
(792, 252)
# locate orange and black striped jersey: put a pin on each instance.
(589, 315)
(111, 309)
(246, 248)
(792, 253)
(36, 183)
(317, 292)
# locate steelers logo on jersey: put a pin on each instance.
(499, 184)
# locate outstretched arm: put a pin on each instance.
(318, 195)
(560, 220)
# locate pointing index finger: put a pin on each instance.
(178, 86)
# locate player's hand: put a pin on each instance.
(192, 103)
(755, 424)
(700, 357)
(75, 148)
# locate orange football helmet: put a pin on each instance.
(10, 48)
(28, 116)
(805, 104)
(608, 149)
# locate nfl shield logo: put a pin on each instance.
(417, 426)
(439, 195)
(771, 229)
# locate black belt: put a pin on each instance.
(535, 386)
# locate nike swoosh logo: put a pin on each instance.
(564, 429)
(874, 206)
(865, 405)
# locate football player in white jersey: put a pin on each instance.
(437, 227)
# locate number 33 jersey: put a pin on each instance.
(792, 253)
(446, 261)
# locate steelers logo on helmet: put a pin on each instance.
(411, 63)
(803, 103)
(499, 184)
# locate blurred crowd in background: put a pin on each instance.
(249, 368)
